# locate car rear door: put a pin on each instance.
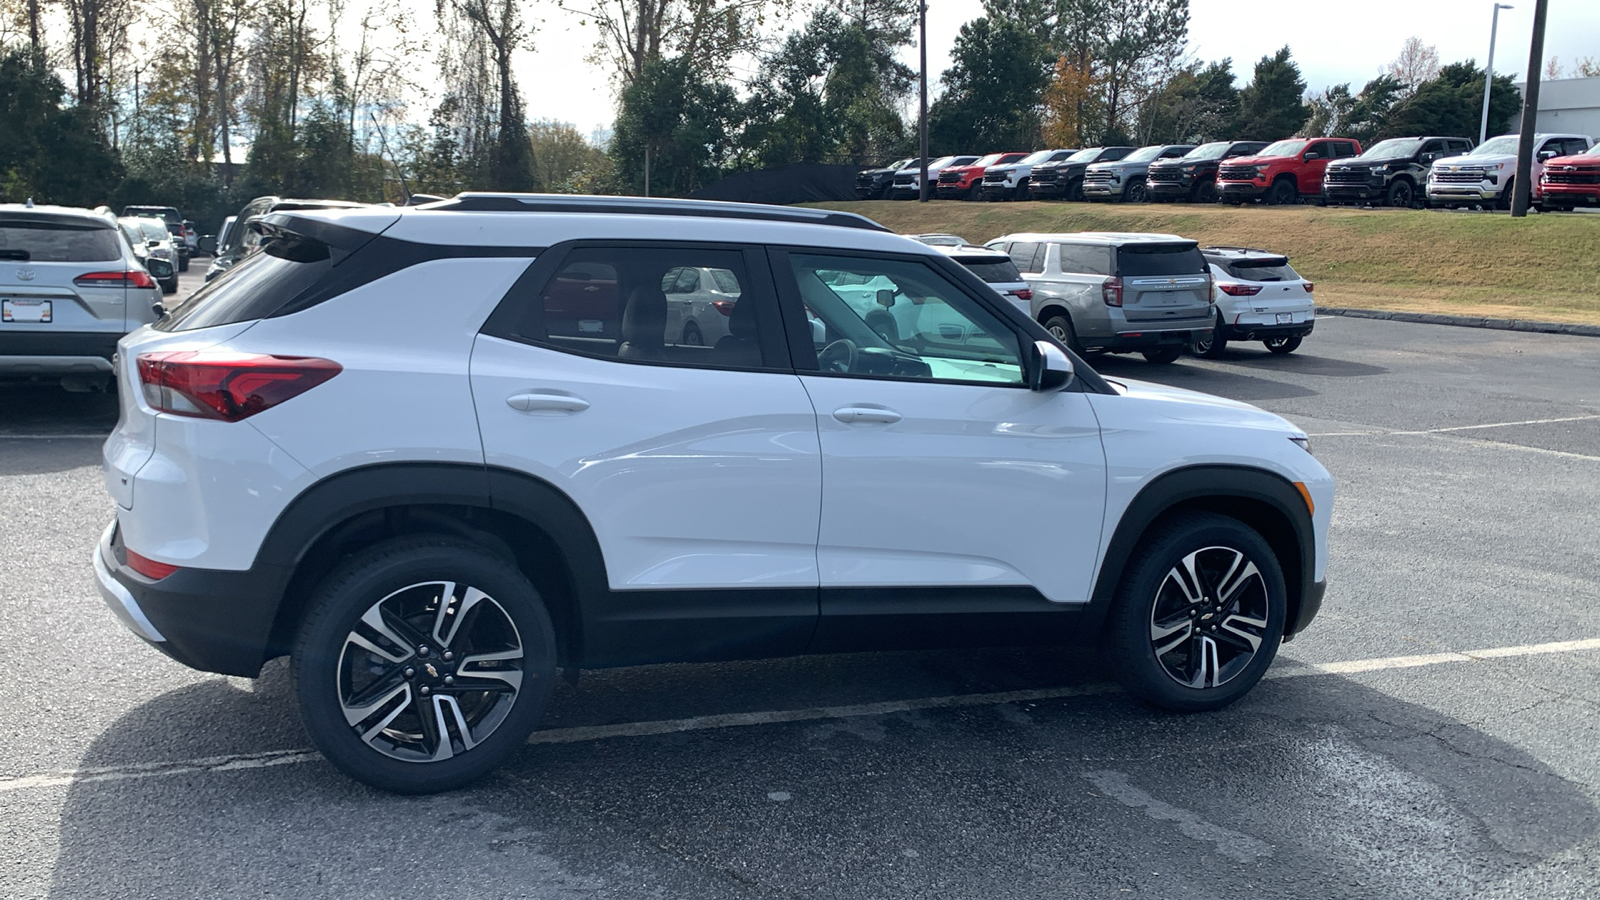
(1164, 284)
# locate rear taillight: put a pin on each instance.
(1310, 287)
(227, 386)
(1111, 291)
(723, 306)
(1240, 290)
(149, 568)
(1024, 294)
(131, 278)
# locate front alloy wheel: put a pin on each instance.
(425, 661)
(1199, 613)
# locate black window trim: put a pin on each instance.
(775, 342)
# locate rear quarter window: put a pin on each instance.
(1083, 259)
(255, 288)
(1160, 259)
(43, 240)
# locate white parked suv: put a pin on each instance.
(1486, 176)
(390, 446)
(1259, 297)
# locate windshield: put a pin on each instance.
(943, 162)
(901, 164)
(1392, 148)
(1084, 155)
(1209, 151)
(154, 230)
(1505, 145)
(1283, 148)
(989, 160)
(1143, 154)
(1033, 159)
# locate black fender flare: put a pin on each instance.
(1264, 500)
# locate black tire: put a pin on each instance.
(1136, 192)
(1214, 347)
(1504, 200)
(1060, 328)
(1021, 192)
(1283, 346)
(1192, 554)
(402, 577)
(183, 264)
(692, 336)
(1283, 192)
(1162, 356)
(1401, 194)
(975, 192)
(1074, 191)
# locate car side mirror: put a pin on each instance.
(1310, 156)
(159, 310)
(885, 298)
(1049, 367)
(158, 268)
(152, 243)
(207, 245)
(1545, 155)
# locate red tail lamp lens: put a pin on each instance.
(130, 278)
(1240, 290)
(149, 568)
(227, 386)
(723, 306)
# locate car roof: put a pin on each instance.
(45, 212)
(1108, 238)
(1231, 253)
(541, 220)
(972, 252)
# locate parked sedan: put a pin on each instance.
(1259, 297)
(699, 304)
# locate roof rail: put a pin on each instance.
(648, 206)
(1242, 250)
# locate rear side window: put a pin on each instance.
(47, 240)
(256, 287)
(1082, 259)
(1265, 269)
(1160, 259)
(1025, 255)
(993, 271)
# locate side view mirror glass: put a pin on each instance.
(158, 268)
(885, 298)
(1546, 155)
(1050, 368)
(1310, 156)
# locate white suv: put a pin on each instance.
(1259, 297)
(434, 453)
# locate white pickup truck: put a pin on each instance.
(1486, 176)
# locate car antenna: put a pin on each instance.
(384, 143)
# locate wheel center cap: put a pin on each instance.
(430, 671)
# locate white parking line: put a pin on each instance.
(1453, 428)
(772, 717)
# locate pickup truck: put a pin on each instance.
(1123, 180)
(1011, 181)
(872, 184)
(966, 182)
(907, 183)
(1486, 176)
(1193, 176)
(1286, 172)
(1063, 179)
(1392, 172)
(1570, 181)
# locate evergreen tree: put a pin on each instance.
(1452, 104)
(49, 152)
(994, 90)
(1271, 106)
(686, 123)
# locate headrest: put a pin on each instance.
(742, 321)
(644, 319)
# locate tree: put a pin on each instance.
(677, 123)
(1452, 103)
(500, 24)
(703, 34)
(1370, 114)
(993, 89)
(1587, 67)
(1270, 107)
(1071, 106)
(1330, 111)
(1417, 62)
(1197, 104)
(49, 152)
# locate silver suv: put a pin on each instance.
(1116, 292)
(70, 286)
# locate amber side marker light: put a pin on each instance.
(1305, 494)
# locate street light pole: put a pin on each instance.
(1488, 70)
(922, 119)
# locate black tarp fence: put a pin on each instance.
(794, 183)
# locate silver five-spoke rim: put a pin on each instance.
(430, 671)
(1209, 617)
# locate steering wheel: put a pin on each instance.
(839, 356)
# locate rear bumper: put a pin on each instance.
(24, 353)
(1245, 331)
(1145, 340)
(210, 620)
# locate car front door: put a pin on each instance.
(697, 467)
(948, 486)
(1311, 170)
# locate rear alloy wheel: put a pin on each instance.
(1400, 195)
(1283, 345)
(1212, 347)
(1199, 614)
(692, 336)
(1283, 192)
(1060, 328)
(425, 662)
(1162, 355)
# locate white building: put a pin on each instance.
(1566, 106)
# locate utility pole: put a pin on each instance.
(1488, 70)
(1530, 114)
(922, 118)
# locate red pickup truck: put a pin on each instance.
(1570, 181)
(966, 182)
(1285, 172)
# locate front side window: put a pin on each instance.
(647, 304)
(901, 319)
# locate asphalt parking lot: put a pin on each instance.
(1433, 735)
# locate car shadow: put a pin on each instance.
(1313, 786)
(1299, 363)
(1205, 379)
(43, 456)
(40, 409)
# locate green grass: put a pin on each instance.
(1543, 267)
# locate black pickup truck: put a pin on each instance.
(1392, 172)
(1064, 180)
(1194, 177)
(873, 184)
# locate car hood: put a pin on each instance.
(1258, 160)
(875, 173)
(1193, 406)
(1576, 159)
(1368, 163)
(1474, 160)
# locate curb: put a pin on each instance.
(1463, 321)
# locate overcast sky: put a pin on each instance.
(1332, 42)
